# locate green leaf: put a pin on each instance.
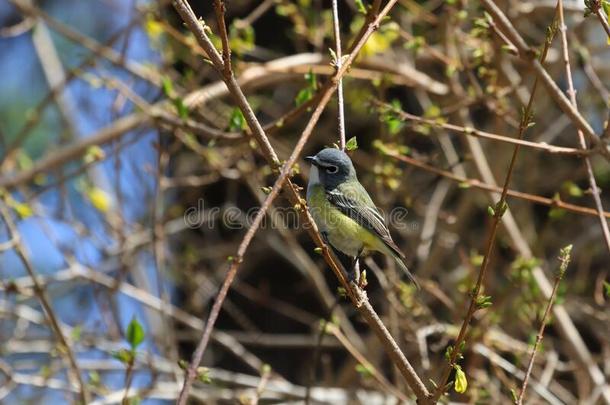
(24, 161)
(241, 38)
(76, 333)
(476, 259)
(606, 7)
(124, 356)
(352, 144)
(483, 301)
(573, 189)
(203, 375)
(312, 80)
(135, 333)
(135, 400)
(181, 108)
(237, 122)
(557, 213)
(307, 93)
(303, 96)
(167, 86)
(361, 7)
(607, 289)
(364, 371)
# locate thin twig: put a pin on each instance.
(405, 116)
(338, 62)
(220, 9)
(564, 258)
(595, 191)
(601, 17)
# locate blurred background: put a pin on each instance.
(128, 178)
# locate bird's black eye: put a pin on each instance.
(332, 169)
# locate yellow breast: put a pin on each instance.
(343, 233)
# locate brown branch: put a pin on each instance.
(600, 16)
(564, 258)
(220, 9)
(357, 296)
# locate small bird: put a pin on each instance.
(344, 212)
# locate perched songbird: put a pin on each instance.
(344, 212)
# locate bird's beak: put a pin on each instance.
(311, 159)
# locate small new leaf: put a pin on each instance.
(352, 144)
(490, 211)
(124, 356)
(93, 154)
(333, 57)
(364, 371)
(167, 87)
(135, 333)
(203, 375)
(483, 301)
(501, 208)
(361, 7)
(237, 122)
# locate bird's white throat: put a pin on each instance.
(314, 179)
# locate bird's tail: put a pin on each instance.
(405, 269)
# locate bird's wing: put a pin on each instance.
(353, 200)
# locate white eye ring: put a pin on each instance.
(332, 169)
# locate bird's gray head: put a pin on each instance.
(332, 167)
